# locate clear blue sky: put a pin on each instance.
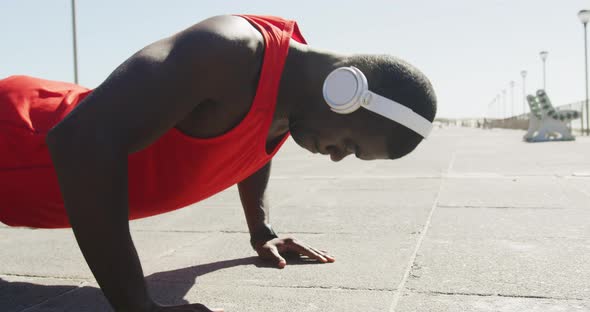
(470, 49)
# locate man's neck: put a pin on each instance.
(301, 84)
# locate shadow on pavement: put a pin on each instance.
(169, 287)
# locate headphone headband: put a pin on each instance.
(346, 89)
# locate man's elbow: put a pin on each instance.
(58, 137)
(67, 140)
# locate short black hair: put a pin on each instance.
(397, 80)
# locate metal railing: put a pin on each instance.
(576, 124)
(515, 122)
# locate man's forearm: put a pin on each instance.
(93, 182)
(262, 237)
(256, 207)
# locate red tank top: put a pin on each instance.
(173, 172)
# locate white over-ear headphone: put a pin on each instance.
(346, 89)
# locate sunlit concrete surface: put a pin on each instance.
(473, 220)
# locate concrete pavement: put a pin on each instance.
(473, 220)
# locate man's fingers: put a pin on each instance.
(306, 251)
(281, 262)
(195, 307)
(204, 308)
(324, 254)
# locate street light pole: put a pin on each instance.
(584, 16)
(523, 74)
(544, 55)
(490, 114)
(512, 84)
(74, 41)
(498, 107)
(504, 110)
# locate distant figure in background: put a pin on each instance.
(185, 118)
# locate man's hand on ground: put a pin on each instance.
(272, 250)
(197, 307)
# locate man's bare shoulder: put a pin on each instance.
(230, 28)
(221, 45)
(223, 37)
(226, 52)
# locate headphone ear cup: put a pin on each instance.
(343, 88)
(363, 87)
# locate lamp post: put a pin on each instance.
(544, 55)
(74, 41)
(504, 110)
(490, 114)
(523, 74)
(512, 84)
(498, 106)
(584, 16)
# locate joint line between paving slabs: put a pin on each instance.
(402, 284)
(468, 294)
(574, 186)
(55, 297)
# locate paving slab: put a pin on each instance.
(542, 267)
(44, 253)
(264, 299)
(514, 192)
(223, 211)
(524, 161)
(209, 216)
(55, 253)
(503, 152)
(360, 206)
(510, 223)
(350, 205)
(363, 262)
(487, 303)
(221, 257)
(233, 298)
(582, 184)
(489, 251)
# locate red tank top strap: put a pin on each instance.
(277, 32)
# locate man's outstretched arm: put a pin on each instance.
(262, 237)
(145, 97)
